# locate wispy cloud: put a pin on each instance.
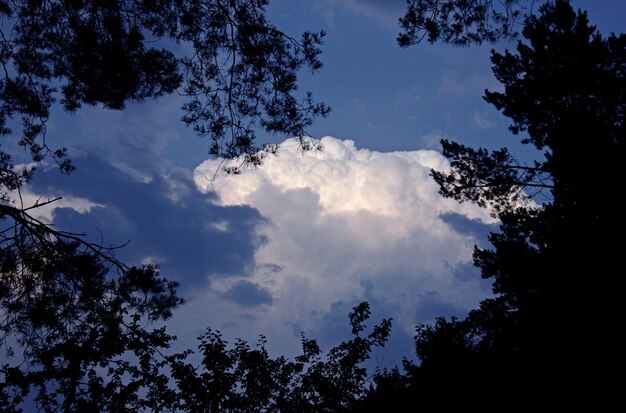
(482, 121)
(460, 82)
(44, 206)
(382, 11)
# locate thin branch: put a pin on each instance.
(43, 232)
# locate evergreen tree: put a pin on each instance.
(463, 22)
(555, 315)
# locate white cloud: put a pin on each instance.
(340, 222)
(40, 206)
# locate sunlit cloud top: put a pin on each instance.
(344, 224)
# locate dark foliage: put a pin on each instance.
(73, 336)
(246, 379)
(462, 22)
(238, 71)
(74, 340)
(555, 317)
(74, 321)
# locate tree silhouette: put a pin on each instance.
(564, 92)
(246, 379)
(462, 22)
(237, 71)
(555, 312)
(74, 336)
(74, 320)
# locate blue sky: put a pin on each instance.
(293, 245)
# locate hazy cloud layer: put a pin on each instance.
(342, 225)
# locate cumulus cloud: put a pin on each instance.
(343, 224)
